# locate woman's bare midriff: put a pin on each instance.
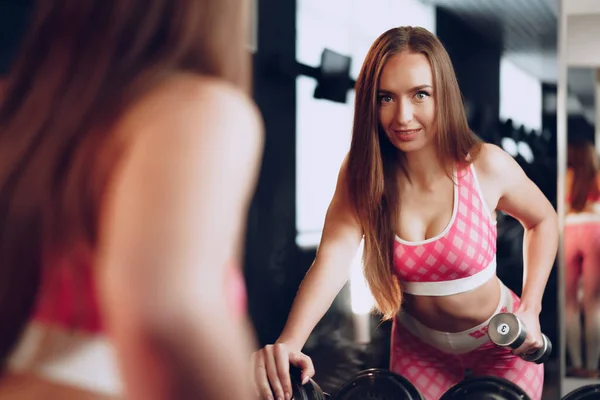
(455, 313)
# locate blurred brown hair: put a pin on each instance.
(581, 157)
(81, 65)
(374, 162)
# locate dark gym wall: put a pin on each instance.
(476, 62)
(272, 266)
(549, 114)
(12, 27)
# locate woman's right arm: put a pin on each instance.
(326, 277)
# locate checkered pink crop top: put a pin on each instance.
(460, 258)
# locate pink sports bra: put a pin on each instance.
(462, 257)
(68, 296)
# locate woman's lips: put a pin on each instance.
(407, 134)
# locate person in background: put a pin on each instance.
(582, 258)
(129, 151)
(422, 191)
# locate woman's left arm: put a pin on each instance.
(519, 197)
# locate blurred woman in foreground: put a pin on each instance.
(128, 155)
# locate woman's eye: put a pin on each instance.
(422, 95)
(385, 98)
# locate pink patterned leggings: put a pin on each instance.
(434, 361)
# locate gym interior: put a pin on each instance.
(528, 75)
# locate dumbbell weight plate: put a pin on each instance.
(588, 392)
(310, 391)
(377, 384)
(506, 329)
(542, 354)
(485, 388)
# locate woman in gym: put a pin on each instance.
(422, 191)
(124, 187)
(582, 257)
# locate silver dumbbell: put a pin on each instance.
(506, 330)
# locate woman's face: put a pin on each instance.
(406, 101)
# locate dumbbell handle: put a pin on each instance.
(507, 330)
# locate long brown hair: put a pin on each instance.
(582, 159)
(374, 163)
(81, 65)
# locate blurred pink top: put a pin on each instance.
(68, 298)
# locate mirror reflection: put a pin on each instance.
(582, 228)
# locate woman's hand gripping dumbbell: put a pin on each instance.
(507, 330)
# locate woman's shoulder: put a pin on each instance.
(492, 160)
(185, 104)
(185, 127)
(496, 168)
(187, 87)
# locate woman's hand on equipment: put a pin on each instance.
(271, 366)
(534, 340)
